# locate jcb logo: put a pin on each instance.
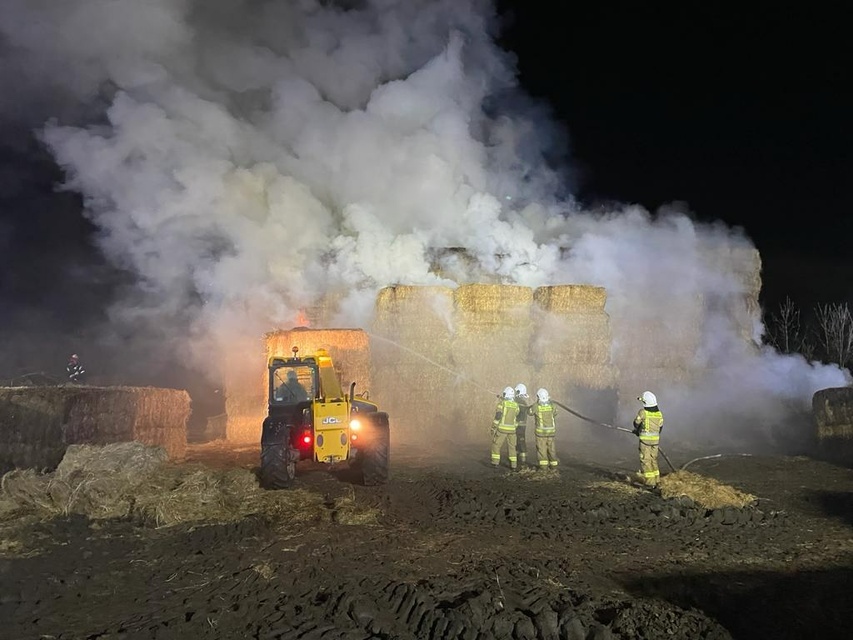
(331, 420)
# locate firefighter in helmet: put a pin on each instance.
(76, 372)
(647, 426)
(503, 429)
(524, 407)
(545, 428)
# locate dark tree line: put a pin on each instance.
(826, 335)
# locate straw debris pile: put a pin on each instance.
(134, 481)
(705, 492)
(38, 423)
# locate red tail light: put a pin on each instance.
(306, 439)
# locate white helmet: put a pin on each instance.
(509, 393)
(648, 399)
(543, 396)
(520, 390)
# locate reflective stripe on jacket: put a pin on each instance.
(543, 414)
(505, 416)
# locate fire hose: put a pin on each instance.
(609, 426)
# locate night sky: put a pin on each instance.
(742, 113)
(744, 116)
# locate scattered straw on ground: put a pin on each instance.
(536, 475)
(704, 491)
(347, 510)
(133, 481)
(616, 487)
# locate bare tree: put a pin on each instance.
(785, 332)
(835, 332)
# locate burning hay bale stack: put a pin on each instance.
(570, 350)
(38, 423)
(490, 346)
(349, 348)
(246, 394)
(833, 415)
(412, 359)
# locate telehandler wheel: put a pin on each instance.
(278, 465)
(376, 456)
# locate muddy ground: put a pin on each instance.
(458, 550)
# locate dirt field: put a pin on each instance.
(454, 549)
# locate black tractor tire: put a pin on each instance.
(278, 465)
(375, 459)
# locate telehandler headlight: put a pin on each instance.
(355, 425)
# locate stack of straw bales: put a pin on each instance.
(490, 345)
(38, 423)
(247, 395)
(412, 359)
(570, 352)
(445, 354)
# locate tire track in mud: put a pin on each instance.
(482, 610)
(549, 512)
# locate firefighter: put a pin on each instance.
(524, 407)
(545, 428)
(76, 372)
(503, 429)
(647, 426)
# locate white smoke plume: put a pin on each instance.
(244, 157)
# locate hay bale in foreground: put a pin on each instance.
(704, 491)
(38, 423)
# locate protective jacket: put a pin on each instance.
(543, 417)
(648, 425)
(506, 414)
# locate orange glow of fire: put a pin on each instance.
(301, 319)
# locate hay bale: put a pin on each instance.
(246, 400)
(412, 325)
(570, 298)
(583, 338)
(152, 416)
(707, 493)
(487, 299)
(37, 423)
(833, 413)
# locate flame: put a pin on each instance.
(301, 319)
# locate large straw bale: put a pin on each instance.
(37, 423)
(349, 348)
(148, 415)
(481, 306)
(484, 298)
(570, 298)
(833, 414)
(413, 324)
(575, 338)
(571, 374)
